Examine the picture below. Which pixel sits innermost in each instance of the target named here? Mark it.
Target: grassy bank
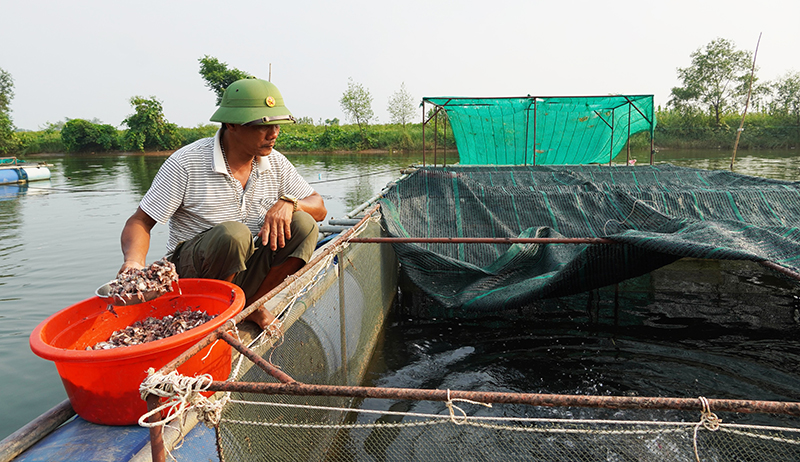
(293, 138)
(673, 131)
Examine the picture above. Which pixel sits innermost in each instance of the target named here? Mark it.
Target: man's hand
(130, 265)
(277, 225)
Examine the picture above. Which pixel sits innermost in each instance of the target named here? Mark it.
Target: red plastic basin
(103, 385)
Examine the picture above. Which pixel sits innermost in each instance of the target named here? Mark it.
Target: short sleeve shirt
(194, 192)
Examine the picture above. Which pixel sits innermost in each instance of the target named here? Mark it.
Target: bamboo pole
(746, 102)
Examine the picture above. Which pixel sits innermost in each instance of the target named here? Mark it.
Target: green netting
(660, 213)
(545, 130)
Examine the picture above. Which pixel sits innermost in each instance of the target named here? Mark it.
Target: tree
(356, 103)
(716, 80)
(148, 128)
(6, 90)
(218, 76)
(401, 106)
(787, 95)
(80, 135)
(7, 142)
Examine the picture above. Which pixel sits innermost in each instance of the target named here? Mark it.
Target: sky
(86, 59)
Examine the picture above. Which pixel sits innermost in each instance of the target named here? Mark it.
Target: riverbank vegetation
(674, 130)
(704, 111)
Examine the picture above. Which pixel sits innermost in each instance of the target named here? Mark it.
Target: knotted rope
(708, 420)
(182, 393)
(451, 407)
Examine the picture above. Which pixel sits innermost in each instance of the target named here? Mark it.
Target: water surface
(59, 241)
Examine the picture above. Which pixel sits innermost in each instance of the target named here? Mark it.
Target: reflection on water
(59, 241)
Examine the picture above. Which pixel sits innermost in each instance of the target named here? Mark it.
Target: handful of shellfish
(134, 286)
(152, 329)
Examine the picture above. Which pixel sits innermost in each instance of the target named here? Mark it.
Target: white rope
(451, 407)
(708, 420)
(730, 427)
(182, 393)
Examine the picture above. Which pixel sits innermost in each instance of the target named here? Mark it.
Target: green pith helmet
(252, 102)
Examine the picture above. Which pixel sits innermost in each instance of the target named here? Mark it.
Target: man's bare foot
(262, 317)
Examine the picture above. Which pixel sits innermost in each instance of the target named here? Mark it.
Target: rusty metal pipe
(257, 360)
(156, 432)
(533, 399)
(783, 270)
(482, 240)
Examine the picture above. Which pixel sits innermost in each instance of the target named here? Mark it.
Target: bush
(190, 135)
(80, 135)
(38, 142)
(148, 128)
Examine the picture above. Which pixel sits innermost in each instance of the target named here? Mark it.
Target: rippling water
(59, 240)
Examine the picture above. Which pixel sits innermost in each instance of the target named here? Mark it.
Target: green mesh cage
(535, 130)
(656, 215)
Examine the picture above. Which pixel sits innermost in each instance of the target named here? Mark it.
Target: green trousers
(229, 248)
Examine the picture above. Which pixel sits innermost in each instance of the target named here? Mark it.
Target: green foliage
(51, 127)
(401, 106)
(190, 135)
(787, 96)
(80, 135)
(6, 90)
(356, 103)
(148, 128)
(217, 75)
(38, 142)
(7, 141)
(682, 130)
(716, 80)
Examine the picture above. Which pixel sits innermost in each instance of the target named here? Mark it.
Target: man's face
(259, 139)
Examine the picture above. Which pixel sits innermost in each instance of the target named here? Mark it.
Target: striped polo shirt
(193, 190)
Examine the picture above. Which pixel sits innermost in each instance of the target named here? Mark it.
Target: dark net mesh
(658, 214)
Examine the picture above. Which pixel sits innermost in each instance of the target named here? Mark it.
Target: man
(237, 209)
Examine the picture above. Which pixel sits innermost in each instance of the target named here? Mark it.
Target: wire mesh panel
(330, 329)
(410, 436)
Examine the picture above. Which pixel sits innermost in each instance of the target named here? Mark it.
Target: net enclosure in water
(653, 214)
(535, 130)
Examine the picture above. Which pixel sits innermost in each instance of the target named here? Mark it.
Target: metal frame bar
(482, 240)
(156, 437)
(532, 399)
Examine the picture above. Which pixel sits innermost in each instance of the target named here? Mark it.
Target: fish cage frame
(533, 107)
(289, 386)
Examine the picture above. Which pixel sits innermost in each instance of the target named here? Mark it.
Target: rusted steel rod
(783, 270)
(156, 431)
(483, 240)
(533, 399)
(257, 360)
